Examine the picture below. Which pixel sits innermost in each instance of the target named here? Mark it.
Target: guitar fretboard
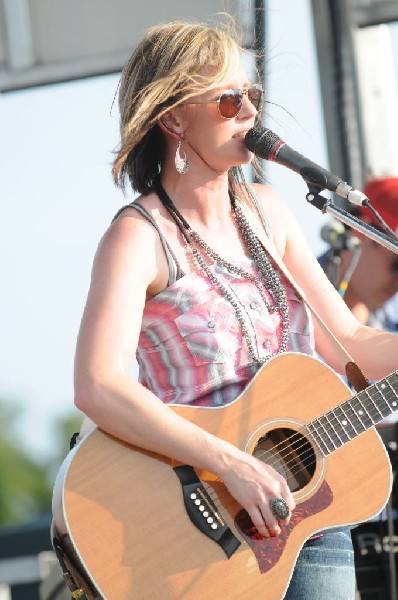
(354, 416)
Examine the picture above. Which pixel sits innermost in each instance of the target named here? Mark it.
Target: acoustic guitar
(141, 526)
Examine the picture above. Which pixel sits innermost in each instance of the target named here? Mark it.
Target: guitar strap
(353, 372)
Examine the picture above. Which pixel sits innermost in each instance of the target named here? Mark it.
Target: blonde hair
(165, 70)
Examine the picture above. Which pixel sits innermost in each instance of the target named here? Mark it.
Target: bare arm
(376, 352)
(128, 263)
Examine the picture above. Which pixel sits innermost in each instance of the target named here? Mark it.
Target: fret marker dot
(344, 423)
(360, 412)
(383, 385)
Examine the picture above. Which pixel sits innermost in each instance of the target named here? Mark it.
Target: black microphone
(266, 144)
(332, 232)
(337, 236)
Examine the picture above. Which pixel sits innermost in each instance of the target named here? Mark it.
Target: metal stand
(333, 261)
(326, 206)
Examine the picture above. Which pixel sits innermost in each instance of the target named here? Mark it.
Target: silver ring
(279, 509)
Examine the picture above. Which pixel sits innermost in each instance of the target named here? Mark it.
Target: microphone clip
(314, 198)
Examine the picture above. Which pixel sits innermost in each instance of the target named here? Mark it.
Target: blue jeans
(325, 569)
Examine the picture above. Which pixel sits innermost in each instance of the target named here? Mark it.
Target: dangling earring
(181, 162)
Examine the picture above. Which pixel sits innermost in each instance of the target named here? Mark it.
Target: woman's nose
(248, 109)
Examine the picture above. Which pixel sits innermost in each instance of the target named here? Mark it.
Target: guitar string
(310, 451)
(332, 428)
(298, 435)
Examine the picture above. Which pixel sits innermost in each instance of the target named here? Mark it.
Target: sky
(57, 198)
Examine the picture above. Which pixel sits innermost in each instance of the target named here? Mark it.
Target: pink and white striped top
(191, 348)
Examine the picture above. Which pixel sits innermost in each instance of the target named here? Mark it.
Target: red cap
(383, 196)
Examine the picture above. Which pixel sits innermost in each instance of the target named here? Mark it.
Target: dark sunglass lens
(255, 96)
(230, 104)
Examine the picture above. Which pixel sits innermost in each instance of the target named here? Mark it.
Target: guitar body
(123, 512)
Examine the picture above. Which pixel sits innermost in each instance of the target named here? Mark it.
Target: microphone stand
(333, 264)
(333, 260)
(326, 206)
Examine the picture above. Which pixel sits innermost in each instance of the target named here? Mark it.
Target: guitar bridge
(203, 512)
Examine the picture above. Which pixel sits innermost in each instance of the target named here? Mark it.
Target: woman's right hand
(254, 485)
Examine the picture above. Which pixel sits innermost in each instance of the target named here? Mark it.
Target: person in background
(367, 275)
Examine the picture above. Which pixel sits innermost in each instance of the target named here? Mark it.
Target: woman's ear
(170, 125)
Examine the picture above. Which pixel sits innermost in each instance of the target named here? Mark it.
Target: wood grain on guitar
(123, 508)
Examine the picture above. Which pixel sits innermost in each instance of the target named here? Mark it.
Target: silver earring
(181, 162)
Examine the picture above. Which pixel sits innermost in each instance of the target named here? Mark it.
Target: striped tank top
(191, 348)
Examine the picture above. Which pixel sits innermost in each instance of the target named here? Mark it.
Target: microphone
(332, 232)
(337, 236)
(264, 143)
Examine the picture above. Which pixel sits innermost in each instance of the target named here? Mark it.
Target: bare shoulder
(130, 229)
(131, 243)
(277, 212)
(269, 198)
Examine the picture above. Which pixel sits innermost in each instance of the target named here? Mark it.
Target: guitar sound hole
(290, 453)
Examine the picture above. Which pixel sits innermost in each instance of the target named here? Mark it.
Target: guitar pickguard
(269, 550)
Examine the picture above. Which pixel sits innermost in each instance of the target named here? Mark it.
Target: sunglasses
(231, 101)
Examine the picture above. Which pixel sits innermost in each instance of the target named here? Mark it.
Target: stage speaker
(372, 547)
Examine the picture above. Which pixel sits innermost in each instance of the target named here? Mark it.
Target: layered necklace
(269, 275)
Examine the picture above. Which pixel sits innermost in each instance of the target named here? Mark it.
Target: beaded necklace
(269, 275)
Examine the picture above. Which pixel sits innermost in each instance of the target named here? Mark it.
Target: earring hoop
(181, 162)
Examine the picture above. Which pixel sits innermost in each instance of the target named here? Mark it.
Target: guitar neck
(354, 416)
